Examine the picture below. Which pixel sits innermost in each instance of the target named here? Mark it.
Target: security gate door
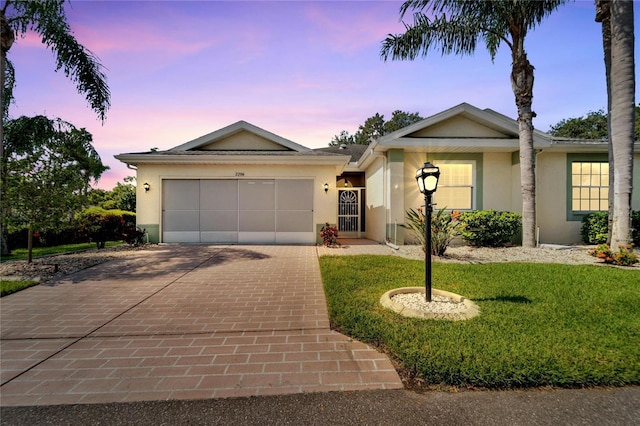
(349, 212)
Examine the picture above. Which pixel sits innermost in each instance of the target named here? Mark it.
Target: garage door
(264, 211)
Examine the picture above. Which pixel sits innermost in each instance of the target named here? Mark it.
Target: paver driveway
(181, 322)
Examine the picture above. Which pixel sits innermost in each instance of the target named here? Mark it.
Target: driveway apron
(181, 322)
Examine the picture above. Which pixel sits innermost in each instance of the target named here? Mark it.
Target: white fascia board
(136, 159)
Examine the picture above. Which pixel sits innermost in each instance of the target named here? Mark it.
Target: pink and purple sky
(304, 70)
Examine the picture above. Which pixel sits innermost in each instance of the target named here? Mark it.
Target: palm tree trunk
(622, 118)
(522, 85)
(603, 15)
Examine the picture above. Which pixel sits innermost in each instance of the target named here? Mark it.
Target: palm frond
(80, 65)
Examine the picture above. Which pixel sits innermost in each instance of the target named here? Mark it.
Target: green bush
(490, 228)
(595, 226)
(99, 225)
(635, 224)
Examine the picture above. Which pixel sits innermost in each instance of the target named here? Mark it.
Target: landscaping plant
(625, 256)
(444, 228)
(490, 228)
(329, 235)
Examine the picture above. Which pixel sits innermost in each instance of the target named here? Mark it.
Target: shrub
(329, 235)
(490, 228)
(635, 224)
(594, 228)
(625, 256)
(99, 225)
(444, 228)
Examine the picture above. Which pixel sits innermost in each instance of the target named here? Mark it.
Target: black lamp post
(427, 177)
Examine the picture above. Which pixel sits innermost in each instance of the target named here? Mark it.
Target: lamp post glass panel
(427, 177)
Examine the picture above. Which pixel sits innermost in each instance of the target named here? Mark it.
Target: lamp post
(427, 177)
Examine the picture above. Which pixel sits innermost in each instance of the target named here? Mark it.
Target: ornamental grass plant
(539, 324)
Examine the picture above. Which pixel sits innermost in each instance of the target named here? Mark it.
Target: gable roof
(208, 141)
(238, 143)
(502, 126)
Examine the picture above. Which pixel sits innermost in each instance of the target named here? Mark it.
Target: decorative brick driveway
(181, 322)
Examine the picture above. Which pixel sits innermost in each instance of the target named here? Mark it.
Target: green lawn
(540, 324)
(21, 254)
(11, 286)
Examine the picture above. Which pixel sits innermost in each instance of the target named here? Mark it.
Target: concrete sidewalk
(181, 322)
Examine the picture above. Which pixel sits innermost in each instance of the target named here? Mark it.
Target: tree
(456, 26)
(401, 119)
(622, 115)
(376, 126)
(47, 18)
(591, 126)
(344, 138)
(371, 128)
(47, 171)
(121, 197)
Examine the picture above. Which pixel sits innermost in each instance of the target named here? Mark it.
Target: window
(589, 186)
(456, 185)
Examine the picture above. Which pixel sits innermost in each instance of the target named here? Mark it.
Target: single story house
(242, 184)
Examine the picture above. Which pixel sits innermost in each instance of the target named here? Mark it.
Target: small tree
(47, 172)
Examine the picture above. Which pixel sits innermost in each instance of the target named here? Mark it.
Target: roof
(238, 143)
(353, 150)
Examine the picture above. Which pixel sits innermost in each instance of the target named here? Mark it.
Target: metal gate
(349, 212)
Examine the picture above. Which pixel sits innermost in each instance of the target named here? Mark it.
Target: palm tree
(622, 117)
(48, 19)
(456, 26)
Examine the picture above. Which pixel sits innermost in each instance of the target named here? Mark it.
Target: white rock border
(472, 310)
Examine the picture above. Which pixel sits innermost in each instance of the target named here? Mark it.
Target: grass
(10, 286)
(540, 324)
(21, 254)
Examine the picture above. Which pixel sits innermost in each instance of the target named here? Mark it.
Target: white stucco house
(242, 184)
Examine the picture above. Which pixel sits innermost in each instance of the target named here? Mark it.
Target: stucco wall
(497, 178)
(551, 177)
(376, 213)
(149, 204)
(551, 200)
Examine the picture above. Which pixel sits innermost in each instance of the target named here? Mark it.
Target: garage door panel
(218, 220)
(181, 194)
(218, 237)
(294, 221)
(257, 195)
(257, 221)
(219, 195)
(294, 194)
(180, 237)
(181, 220)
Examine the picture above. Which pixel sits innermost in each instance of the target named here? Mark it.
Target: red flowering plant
(329, 235)
(445, 226)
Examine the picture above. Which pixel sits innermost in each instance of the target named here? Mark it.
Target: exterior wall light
(146, 186)
(326, 187)
(427, 177)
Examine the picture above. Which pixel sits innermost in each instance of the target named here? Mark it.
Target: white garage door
(238, 211)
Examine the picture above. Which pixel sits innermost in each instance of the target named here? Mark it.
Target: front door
(349, 212)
